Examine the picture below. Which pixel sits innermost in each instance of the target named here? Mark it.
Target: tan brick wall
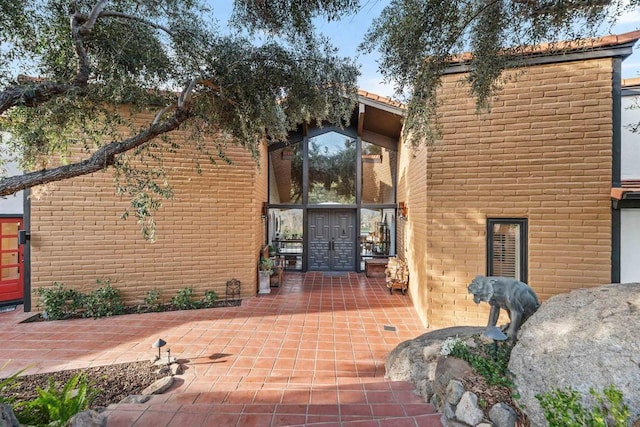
(412, 242)
(210, 232)
(542, 153)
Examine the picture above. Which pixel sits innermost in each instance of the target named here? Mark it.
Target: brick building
(524, 190)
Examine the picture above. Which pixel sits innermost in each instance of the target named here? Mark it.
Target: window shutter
(505, 250)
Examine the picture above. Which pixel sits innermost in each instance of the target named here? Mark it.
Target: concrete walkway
(310, 353)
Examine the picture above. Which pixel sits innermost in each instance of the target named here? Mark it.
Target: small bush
(564, 407)
(59, 302)
(210, 298)
(153, 300)
(55, 407)
(104, 301)
(183, 299)
(485, 360)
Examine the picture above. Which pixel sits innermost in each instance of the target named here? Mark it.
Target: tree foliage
(418, 39)
(75, 74)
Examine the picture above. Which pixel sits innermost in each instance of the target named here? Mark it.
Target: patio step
(274, 415)
(384, 403)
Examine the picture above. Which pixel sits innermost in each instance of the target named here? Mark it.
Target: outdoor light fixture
(159, 344)
(168, 356)
(403, 210)
(496, 335)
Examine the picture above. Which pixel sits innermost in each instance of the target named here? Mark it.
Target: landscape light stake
(159, 344)
(496, 335)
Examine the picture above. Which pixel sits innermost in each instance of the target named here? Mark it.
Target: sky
(348, 33)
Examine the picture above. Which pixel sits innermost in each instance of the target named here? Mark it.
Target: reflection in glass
(378, 172)
(285, 236)
(332, 169)
(377, 232)
(285, 175)
(8, 273)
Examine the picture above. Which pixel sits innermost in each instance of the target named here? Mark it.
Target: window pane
(506, 249)
(377, 232)
(378, 172)
(7, 228)
(285, 173)
(332, 169)
(9, 273)
(285, 235)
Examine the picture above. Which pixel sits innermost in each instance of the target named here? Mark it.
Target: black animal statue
(512, 295)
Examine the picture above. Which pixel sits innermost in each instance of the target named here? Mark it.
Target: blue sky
(347, 34)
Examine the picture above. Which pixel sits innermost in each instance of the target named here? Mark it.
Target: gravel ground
(114, 382)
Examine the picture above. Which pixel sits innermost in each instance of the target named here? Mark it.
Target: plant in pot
(265, 270)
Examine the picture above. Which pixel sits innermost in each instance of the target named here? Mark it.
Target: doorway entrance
(11, 275)
(332, 239)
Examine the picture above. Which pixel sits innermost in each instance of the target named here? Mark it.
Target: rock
(159, 386)
(415, 360)
(163, 361)
(7, 416)
(136, 398)
(454, 392)
(165, 370)
(468, 411)
(447, 370)
(448, 410)
(502, 415)
(87, 419)
(585, 339)
(176, 369)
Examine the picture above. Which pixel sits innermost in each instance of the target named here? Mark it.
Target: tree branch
(114, 14)
(101, 159)
(31, 95)
(93, 16)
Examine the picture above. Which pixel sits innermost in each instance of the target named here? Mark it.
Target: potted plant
(265, 270)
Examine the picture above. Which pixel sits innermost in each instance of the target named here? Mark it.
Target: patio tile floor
(311, 352)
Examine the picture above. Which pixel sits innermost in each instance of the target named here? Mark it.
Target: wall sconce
(403, 210)
(265, 210)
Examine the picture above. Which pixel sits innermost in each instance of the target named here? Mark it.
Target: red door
(11, 281)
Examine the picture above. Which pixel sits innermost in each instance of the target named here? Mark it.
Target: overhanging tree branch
(31, 95)
(101, 159)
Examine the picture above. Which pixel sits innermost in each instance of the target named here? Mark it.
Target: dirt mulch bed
(114, 382)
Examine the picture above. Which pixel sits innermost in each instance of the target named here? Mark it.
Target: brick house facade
(543, 157)
(531, 177)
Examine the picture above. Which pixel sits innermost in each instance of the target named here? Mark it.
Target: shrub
(104, 301)
(182, 300)
(59, 302)
(152, 301)
(266, 264)
(564, 407)
(210, 297)
(488, 361)
(55, 407)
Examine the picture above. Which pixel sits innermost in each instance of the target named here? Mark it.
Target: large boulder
(589, 338)
(416, 360)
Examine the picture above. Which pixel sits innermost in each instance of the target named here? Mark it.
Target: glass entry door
(11, 279)
(332, 240)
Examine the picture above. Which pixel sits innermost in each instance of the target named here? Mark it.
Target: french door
(332, 240)
(11, 267)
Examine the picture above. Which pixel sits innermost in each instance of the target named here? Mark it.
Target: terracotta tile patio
(311, 352)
